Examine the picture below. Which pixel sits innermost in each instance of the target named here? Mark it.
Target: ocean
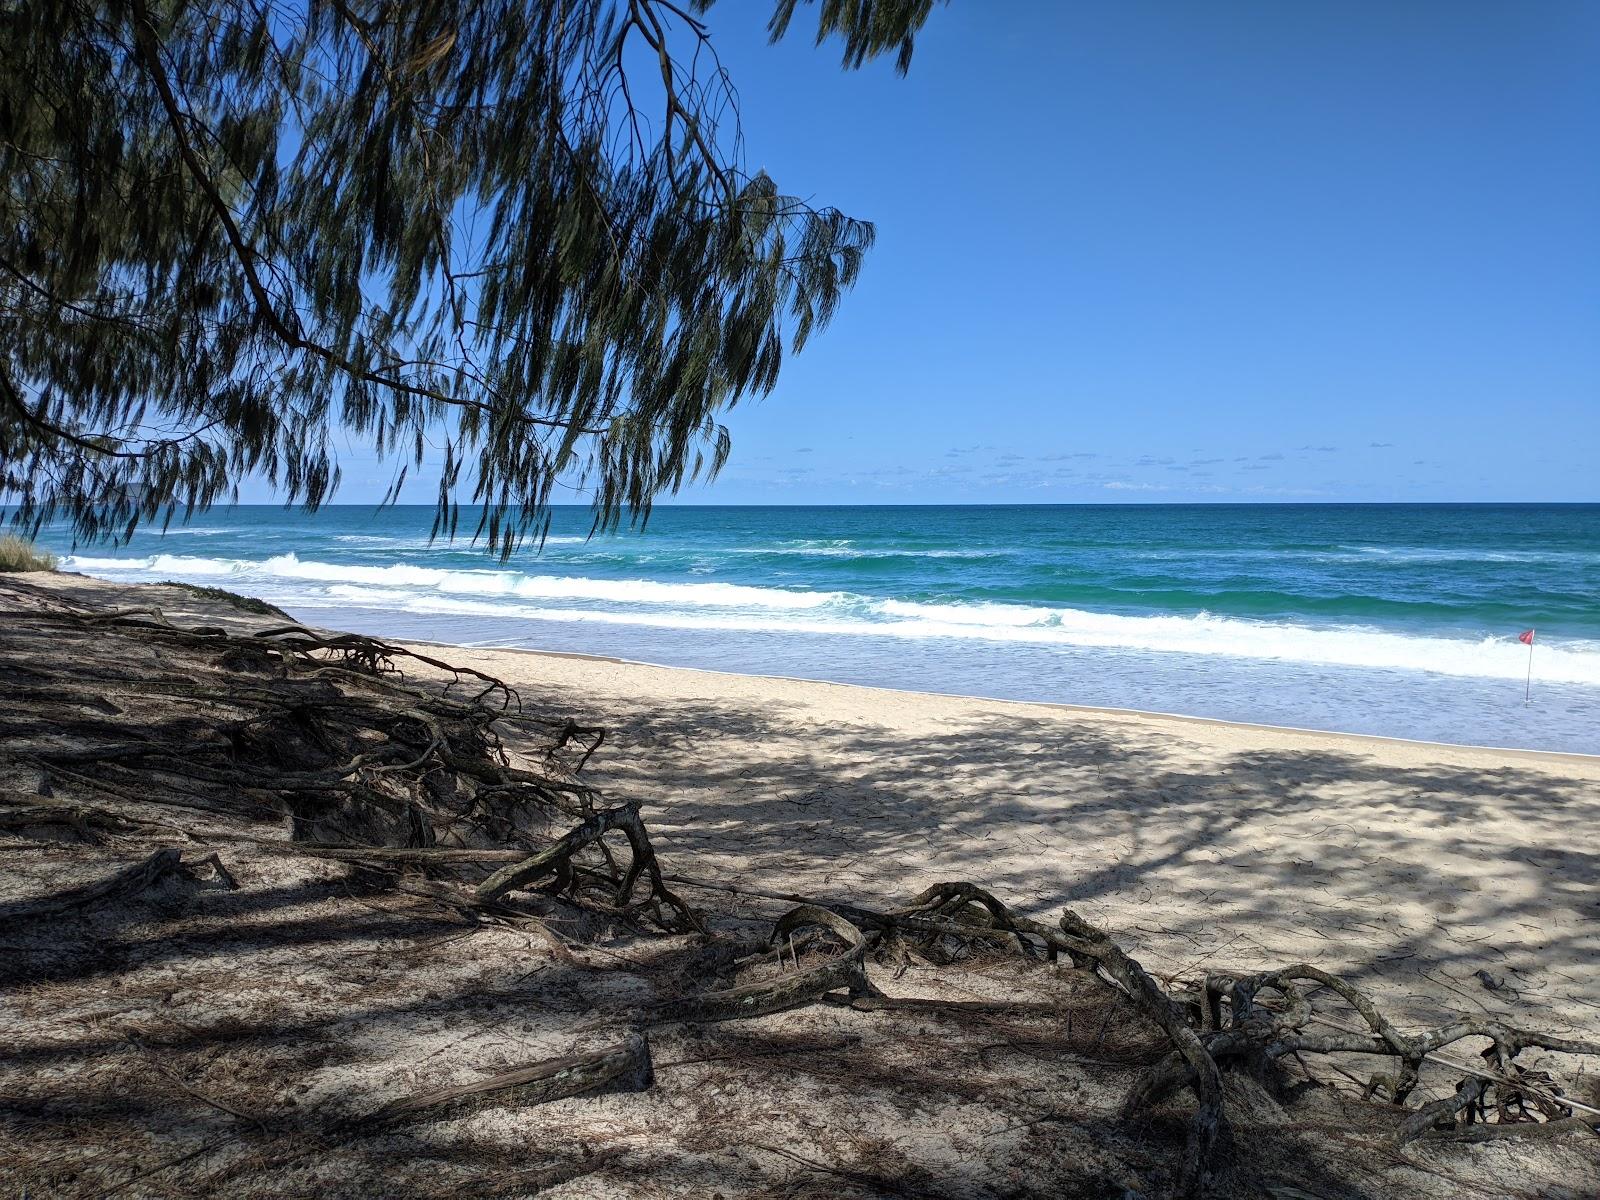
(1397, 620)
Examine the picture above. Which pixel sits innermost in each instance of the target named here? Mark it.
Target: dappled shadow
(196, 1040)
(1411, 868)
(821, 1102)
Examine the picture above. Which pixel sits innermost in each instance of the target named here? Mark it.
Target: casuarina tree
(242, 235)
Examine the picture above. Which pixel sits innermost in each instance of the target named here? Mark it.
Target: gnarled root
(557, 859)
(323, 730)
(1231, 1027)
(847, 972)
(129, 881)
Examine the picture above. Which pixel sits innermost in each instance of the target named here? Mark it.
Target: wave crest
(504, 595)
(482, 582)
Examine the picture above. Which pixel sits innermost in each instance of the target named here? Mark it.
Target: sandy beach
(1413, 867)
(221, 1029)
(1410, 866)
(847, 602)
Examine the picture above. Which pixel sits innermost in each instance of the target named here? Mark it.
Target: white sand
(1200, 844)
(138, 1033)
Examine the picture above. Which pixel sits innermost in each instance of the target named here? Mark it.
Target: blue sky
(1191, 250)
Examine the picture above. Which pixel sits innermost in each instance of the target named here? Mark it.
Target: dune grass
(18, 554)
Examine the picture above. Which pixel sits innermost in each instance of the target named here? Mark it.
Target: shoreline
(297, 985)
(1574, 757)
(1414, 640)
(1578, 757)
(1411, 867)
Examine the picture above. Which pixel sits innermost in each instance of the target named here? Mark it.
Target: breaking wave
(509, 596)
(287, 567)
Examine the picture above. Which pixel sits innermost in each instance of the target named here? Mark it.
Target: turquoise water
(1388, 619)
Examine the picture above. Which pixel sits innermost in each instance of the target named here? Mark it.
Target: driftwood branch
(625, 1066)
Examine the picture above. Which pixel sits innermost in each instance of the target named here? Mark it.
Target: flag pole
(1527, 688)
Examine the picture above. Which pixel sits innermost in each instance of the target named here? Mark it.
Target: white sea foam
(153, 564)
(470, 582)
(1469, 554)
(1344, 646)
(994, 616)
(505, 595)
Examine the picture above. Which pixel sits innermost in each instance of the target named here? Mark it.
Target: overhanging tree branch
(294, 223)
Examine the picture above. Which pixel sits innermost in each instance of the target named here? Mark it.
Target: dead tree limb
(624, 1066)
(129, 881)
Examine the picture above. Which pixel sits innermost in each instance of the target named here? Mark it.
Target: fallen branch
(625, 1066)
(129, 881)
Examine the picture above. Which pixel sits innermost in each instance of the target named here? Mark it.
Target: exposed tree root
(557, 859)
(787, 991)
(1233, 1028)
(325, 737)
(322, 732)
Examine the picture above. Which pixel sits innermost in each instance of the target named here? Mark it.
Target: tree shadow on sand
(1411, 878)
(191, 1039)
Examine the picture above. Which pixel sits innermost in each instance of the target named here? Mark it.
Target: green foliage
(869, 27)
(247, 604)
(239, 235)
(17, 554)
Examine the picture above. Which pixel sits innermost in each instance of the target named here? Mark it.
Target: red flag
(1526, 637)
